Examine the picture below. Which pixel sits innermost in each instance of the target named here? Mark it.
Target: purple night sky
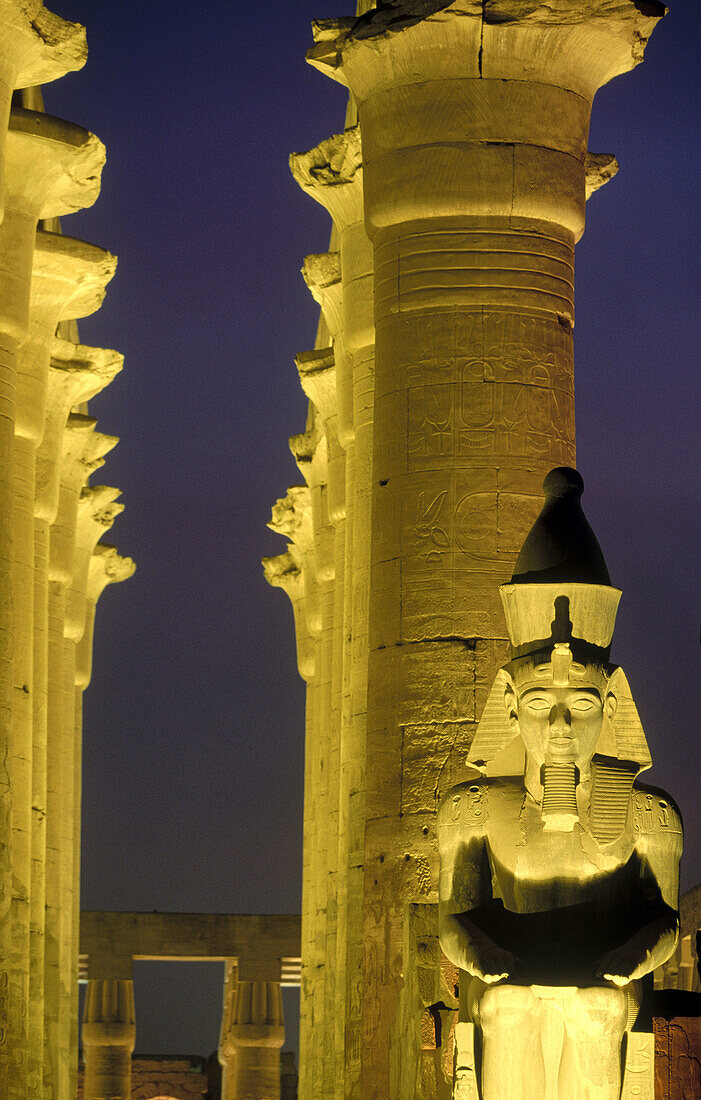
(194, 720)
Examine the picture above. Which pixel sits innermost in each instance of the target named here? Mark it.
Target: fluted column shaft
(45, 175)
(331, 173)
(252, 1034)
(108, 1035)
(474, 142)
(77, 373)
(83, 451)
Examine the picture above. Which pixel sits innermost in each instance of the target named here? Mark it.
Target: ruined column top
(574, 44)
(70, 273)
(42, 45)
(53, 167)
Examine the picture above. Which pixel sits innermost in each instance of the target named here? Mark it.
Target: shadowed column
(252, 1034)
(108, 1036)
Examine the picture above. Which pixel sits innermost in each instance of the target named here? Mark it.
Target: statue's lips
(561, 743)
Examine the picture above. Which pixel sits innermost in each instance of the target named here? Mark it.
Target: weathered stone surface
(677, 1057)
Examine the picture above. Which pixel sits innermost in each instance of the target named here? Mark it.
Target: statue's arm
(462, 849)
(660, 852)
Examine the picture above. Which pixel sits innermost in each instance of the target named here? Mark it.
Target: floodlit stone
(583, 899)
(252, 1033)
(37, 46)
(457, 193)
(109, 1035)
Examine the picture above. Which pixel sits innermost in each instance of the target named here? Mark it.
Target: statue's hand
(618, 966)
(493, 964)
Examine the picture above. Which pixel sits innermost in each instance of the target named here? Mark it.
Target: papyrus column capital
(480, 109)
(53, 166)
(292, 517)
(36, 46)
(317, 375)
(310, 451)
(321, 272)
(576, 44)
(283, 571)
(69, 278)
(107, 566)
(332, 174)
(77, 373)
(97, 511)
(83, 452)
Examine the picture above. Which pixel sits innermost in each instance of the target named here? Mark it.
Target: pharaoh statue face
(558, 707)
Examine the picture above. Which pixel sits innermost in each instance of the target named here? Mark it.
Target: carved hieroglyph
(559, 874)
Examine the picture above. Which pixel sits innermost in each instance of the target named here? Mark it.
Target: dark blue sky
(194, 720)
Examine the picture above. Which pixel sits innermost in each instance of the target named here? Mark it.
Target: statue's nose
(560, 719)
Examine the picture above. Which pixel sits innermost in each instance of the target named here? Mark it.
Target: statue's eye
(539, 704)
(583, 705)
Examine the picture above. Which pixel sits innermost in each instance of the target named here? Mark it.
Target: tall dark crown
(560, 590)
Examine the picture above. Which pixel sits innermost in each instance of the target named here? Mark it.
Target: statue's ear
(498, 724)
(622, 733)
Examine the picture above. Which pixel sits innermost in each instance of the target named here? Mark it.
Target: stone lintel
(331, 173)
(69, 276)
(52, 167)
(259, 942)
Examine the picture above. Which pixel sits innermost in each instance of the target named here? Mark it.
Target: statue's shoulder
(655, 813)
(465, 805)
(468, 804)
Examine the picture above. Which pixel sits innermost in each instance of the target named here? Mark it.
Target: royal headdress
(561, 592)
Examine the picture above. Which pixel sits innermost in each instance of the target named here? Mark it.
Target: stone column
(474, 126)
(38, 47)
(83, 452)
(252, 1034)
(68, 280)
(108, 1036)
(331, 173)
(318, 375)
(51, 168)
(292, 518)
(106, 567)
(77, 373)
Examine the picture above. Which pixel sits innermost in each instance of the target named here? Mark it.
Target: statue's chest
(534, 868)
